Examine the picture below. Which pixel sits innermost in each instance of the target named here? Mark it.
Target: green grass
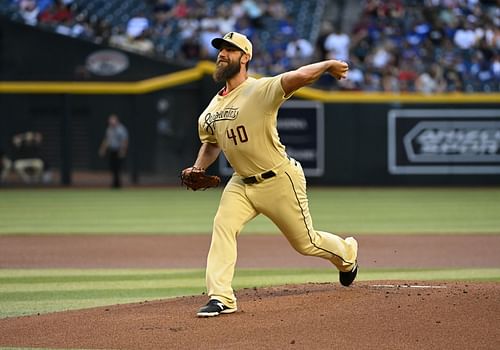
(177, 211)
(26, 292)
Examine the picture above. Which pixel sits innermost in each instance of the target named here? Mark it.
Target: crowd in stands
(427, 46)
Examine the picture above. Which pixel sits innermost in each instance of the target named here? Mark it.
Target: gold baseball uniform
(266, 181)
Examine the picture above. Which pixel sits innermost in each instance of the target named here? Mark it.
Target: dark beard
(224, 73)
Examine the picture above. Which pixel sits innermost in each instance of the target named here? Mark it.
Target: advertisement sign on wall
(444, 141)
(301, 129)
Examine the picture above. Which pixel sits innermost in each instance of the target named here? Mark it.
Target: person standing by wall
(115, 146)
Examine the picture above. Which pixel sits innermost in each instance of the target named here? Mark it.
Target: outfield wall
(360, 144)
(412, 144)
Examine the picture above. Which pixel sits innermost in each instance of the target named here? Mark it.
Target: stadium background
(79, 73)
(63, 70)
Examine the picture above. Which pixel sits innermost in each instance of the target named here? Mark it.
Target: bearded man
(241, 121)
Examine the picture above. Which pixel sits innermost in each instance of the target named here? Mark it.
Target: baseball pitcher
(241, 122)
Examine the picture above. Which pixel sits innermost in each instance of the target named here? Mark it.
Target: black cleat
(346, 278)
(214, 308)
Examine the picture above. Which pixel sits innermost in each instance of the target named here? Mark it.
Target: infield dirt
(368, 315)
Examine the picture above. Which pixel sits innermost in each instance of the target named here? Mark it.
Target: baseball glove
(195, 178)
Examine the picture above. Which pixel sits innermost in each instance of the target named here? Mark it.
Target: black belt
(253, 179)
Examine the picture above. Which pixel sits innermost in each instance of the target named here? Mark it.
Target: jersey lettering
(241, 134)
(231, 136)
(229, 113)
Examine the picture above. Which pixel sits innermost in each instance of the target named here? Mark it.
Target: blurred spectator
(58, 12)
(43, 4)
(191, 49)
(453, 82)
(372, 82)
(102, 30)
(188, 27)
(180, 9)
(136, 36)
(432, 81)
(299, 51)
(140, 44)
(495, 67)
(115, 146)
(465, 38)
(162, 10)
(207, 34)
(244, 26)
(209, 21)
(29, 11)
(337, 45)
(320, 50)
(225, 20)
(82, 28)
(27, 156)
(254, 10)
(390, 81)
(281, 62)
(237, 9)
(356, 78)
(381, 57)
(276, 9)
(407, 74)
(286, 26)
(137, 25)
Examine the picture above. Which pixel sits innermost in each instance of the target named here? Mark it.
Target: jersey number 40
(240, 134)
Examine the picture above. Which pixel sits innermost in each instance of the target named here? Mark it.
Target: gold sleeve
(271, 91)
(205, 132)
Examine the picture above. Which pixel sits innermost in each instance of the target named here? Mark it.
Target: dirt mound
(368, 315)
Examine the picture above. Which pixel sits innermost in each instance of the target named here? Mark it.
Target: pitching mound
(368, 315)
